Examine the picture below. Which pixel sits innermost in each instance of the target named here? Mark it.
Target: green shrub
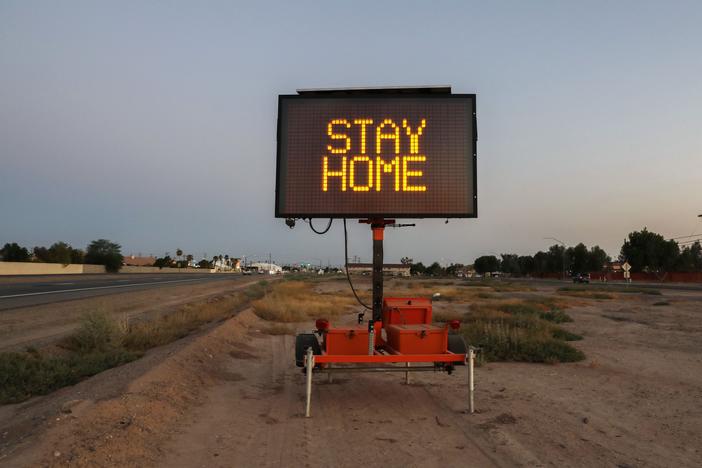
(98, 331)
(23, 375)
(544, 308)
(561, 334)
(100, 342)
(518, 332)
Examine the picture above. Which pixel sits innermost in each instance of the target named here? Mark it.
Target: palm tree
(226, 259)
(189, 258)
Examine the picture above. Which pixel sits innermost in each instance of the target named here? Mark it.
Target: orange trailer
(400, 331)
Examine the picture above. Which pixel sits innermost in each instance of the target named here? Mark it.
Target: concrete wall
(27, 268)
(148, 269)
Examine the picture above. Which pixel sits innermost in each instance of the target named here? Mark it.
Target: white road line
(97, 287)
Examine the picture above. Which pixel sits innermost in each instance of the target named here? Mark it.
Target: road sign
(374, 155)
(626, 267)
(627, 275)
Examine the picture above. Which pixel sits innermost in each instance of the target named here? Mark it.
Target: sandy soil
(232, 397)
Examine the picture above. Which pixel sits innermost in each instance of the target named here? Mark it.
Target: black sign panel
(361, 156)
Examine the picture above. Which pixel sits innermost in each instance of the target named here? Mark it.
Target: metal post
(309, 362)
(471, 380)
(407, 375)
(378, 229)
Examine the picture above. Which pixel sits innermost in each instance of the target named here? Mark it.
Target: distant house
(133, 260)
(230, 264)
(392, 269)
(265, 267)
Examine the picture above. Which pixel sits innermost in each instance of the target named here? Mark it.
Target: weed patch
(585, 294)
(526, 339)
(23, 375)
(544, 308)
(516, 332)
(296, 301)
(102, 342)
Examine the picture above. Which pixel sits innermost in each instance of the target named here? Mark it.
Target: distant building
(227, 264)
(133, 260)
(270, 268)
(392, 269)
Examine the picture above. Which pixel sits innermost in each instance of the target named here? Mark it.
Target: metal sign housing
(374, 154)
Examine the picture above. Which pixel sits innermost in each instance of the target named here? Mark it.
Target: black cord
(346, 264)
(321, 232)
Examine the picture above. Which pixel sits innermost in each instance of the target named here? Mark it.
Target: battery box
(417, 338)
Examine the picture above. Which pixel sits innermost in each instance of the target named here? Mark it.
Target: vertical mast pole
(378, 227)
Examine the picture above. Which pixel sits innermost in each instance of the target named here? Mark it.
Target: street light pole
(562, 253)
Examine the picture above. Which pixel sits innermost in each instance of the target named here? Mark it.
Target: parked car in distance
(581, 278)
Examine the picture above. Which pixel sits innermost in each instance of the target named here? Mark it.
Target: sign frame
(378, 94)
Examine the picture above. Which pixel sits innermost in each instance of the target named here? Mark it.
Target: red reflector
(455, 324)
(321, 324)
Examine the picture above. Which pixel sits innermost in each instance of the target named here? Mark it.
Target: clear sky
(153, 123)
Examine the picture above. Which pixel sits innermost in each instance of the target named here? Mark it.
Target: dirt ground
(231, 396)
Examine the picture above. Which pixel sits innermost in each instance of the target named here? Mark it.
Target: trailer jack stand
(309, 364)
(406, 369)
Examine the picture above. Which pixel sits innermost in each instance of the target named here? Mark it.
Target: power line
(683, 237)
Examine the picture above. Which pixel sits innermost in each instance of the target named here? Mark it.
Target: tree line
(644, 250)
(99, 252)
(183, 261)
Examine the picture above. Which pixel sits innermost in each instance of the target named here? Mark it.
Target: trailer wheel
(302, 342)
(457, 345)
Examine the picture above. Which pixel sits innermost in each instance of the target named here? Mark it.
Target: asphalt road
(16, 292)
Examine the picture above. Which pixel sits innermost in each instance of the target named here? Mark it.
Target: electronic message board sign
(376, 155)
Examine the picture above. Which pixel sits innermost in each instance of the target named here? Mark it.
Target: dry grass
(278, 329)
(586, 294)
(444, 316)
(447, 291)
(102, 342)
(296, 301)
(182, 322)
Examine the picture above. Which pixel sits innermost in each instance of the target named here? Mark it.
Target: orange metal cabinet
(406, 310)
(350, 340)
(417, 338)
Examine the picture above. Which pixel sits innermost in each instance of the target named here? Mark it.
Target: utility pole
(562, 254)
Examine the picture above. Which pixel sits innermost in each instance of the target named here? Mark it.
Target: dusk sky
(153, 124)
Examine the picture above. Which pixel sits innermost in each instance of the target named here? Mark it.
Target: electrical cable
(346, 266)
(321, 232)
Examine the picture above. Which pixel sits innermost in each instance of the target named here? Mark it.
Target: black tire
(302, 342)
(457, 345)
